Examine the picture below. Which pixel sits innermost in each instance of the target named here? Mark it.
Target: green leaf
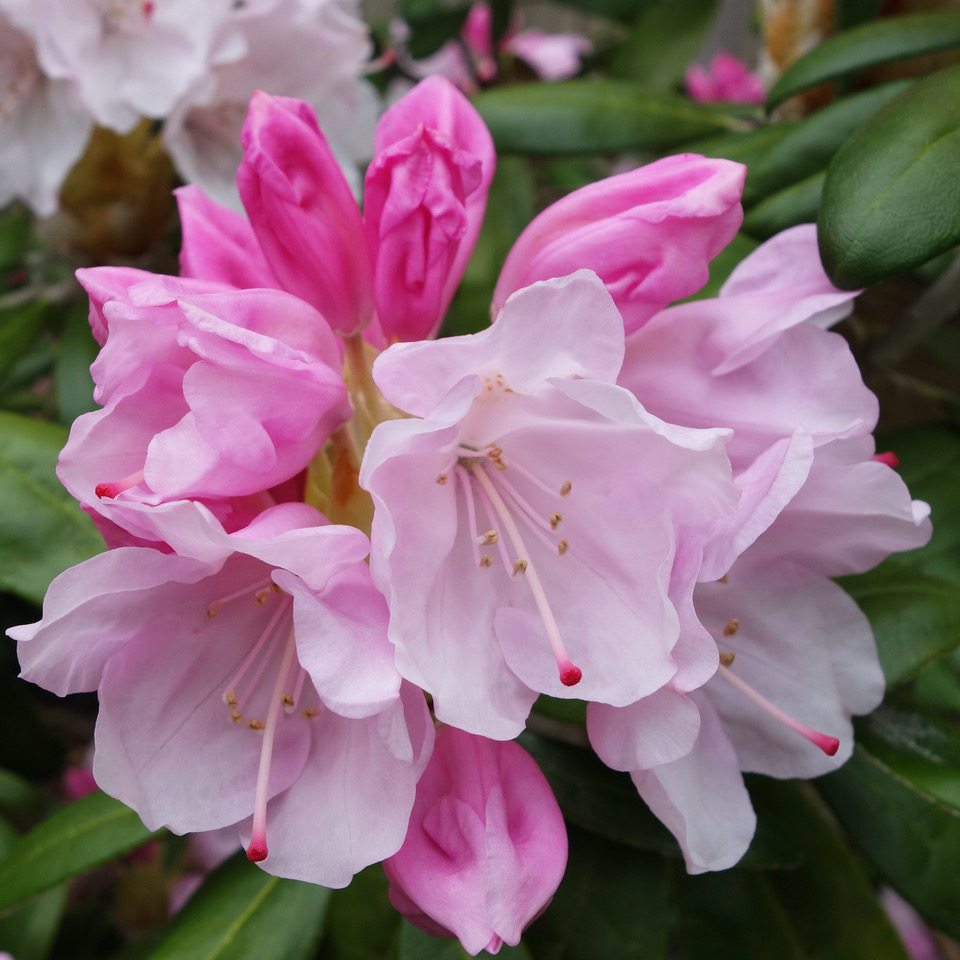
(44, 531)
(417, 945)
(825, 909)
(16, 793)
(28, 932)
(915, 616)
(78, 349)
(939, 684)
(879, 41)
(15, 236)
(809, 145)
(20, 326)
(625, 11)
(795, 204)
(89, 832)
(891, 200)
(897, 798)
(242, 913)
(749, 147)
(612, 902)
(361, 923)
(664, 39)
(593, 116)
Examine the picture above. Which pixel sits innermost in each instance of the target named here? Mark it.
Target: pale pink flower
(648, 234)
(394, 269)
(43, 129)
(486, 847)
(315, 50)
(245, 680)
(726, 80)
(552, 56)
(127, 59)
(534, 508)
(797, 655)
(914, 933)
(206, 392)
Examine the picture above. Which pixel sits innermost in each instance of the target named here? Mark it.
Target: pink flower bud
(426, 192)
(486, 847)
(728, 80)
(303, 213)
(648, 234)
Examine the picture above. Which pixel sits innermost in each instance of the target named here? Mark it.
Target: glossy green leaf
(825, 909)
(242, 913)
(915, 616)
(809, 145)
(939, 684)
(593, 116)
(879, 41)
(77, 351)
(664, 39)
(361, 923)
(612, 902)
(897, 798)
(748, 147)
(19, 327)
(89, 832)
(606, 803)
(786, 208)
(44, 531)
(891, 200)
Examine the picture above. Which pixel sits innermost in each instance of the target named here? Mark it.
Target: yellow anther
(491, 536)
(287, 699)
(310, 712)
(562, 547)
(486, 560)
(256, 724)
(231, 699)
(236, 716)
(519, 566)
(442, 478)
(727, 658)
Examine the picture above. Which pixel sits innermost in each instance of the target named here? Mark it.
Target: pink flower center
(275, 647)
(483, 474)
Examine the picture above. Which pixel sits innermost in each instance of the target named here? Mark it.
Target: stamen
(258, 836)
(471, 513)
(527, 508)
(442, 479)
(556, 519)
(519, 566)
(562, 547)
(565, 488)
(491, 536)
(491, 514)
(219, 604)
(297, 690)
(231, 694)
(110, 490)
(829, 745)
(537, 482)
(733, 625)
(727, 657)
(569, 673)
(486, 560)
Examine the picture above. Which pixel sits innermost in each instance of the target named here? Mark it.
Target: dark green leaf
(593, 116)
(625, 11)
(20, 326)
(16, 793)
(417, 945)
(939, 684)
(849, 13)
(825, 909)
(809, 145)
(78, 350)
(892, 798)
(89, 832)
(44, 531)
(242, 913)
(795, 204)
(14, 237)
(612, 902)
(891, 200)
(361, 923)
(664, 39)
(28, 932)
(880, 41)
(915, 616)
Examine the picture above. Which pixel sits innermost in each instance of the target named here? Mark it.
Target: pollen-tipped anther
(555, 520)
(732, 626)
(519, 566)
(565, 488)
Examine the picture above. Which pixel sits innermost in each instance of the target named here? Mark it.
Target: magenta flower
(486, 848)
(648, 234)
(245, 680)
(727, 80)
(527, 520)
(208, 393)
(397, 267)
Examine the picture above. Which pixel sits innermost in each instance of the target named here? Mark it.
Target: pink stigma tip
(257, 851)
(570, 675)
(829, 745)
(889, 458)
(108, 490)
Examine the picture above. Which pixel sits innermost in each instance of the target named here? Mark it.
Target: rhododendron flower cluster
(66, 65)
(600, 497)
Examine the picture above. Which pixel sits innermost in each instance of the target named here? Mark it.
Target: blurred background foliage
(860, 132)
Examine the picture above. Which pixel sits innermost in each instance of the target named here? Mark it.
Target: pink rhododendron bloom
(207, 392)
(486, 848)
(246, 679)
(42, 131)
(797, 657)
(648, 234)
(727, 80)
(127, 59)
(526, 521)
(552, 56)
(398, 266)
(315, 50)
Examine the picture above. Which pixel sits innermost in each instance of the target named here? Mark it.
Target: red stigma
(829, 745)
(107, 490)
(571, 676)
(889, 458)
(148, 9)
(256, 852)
